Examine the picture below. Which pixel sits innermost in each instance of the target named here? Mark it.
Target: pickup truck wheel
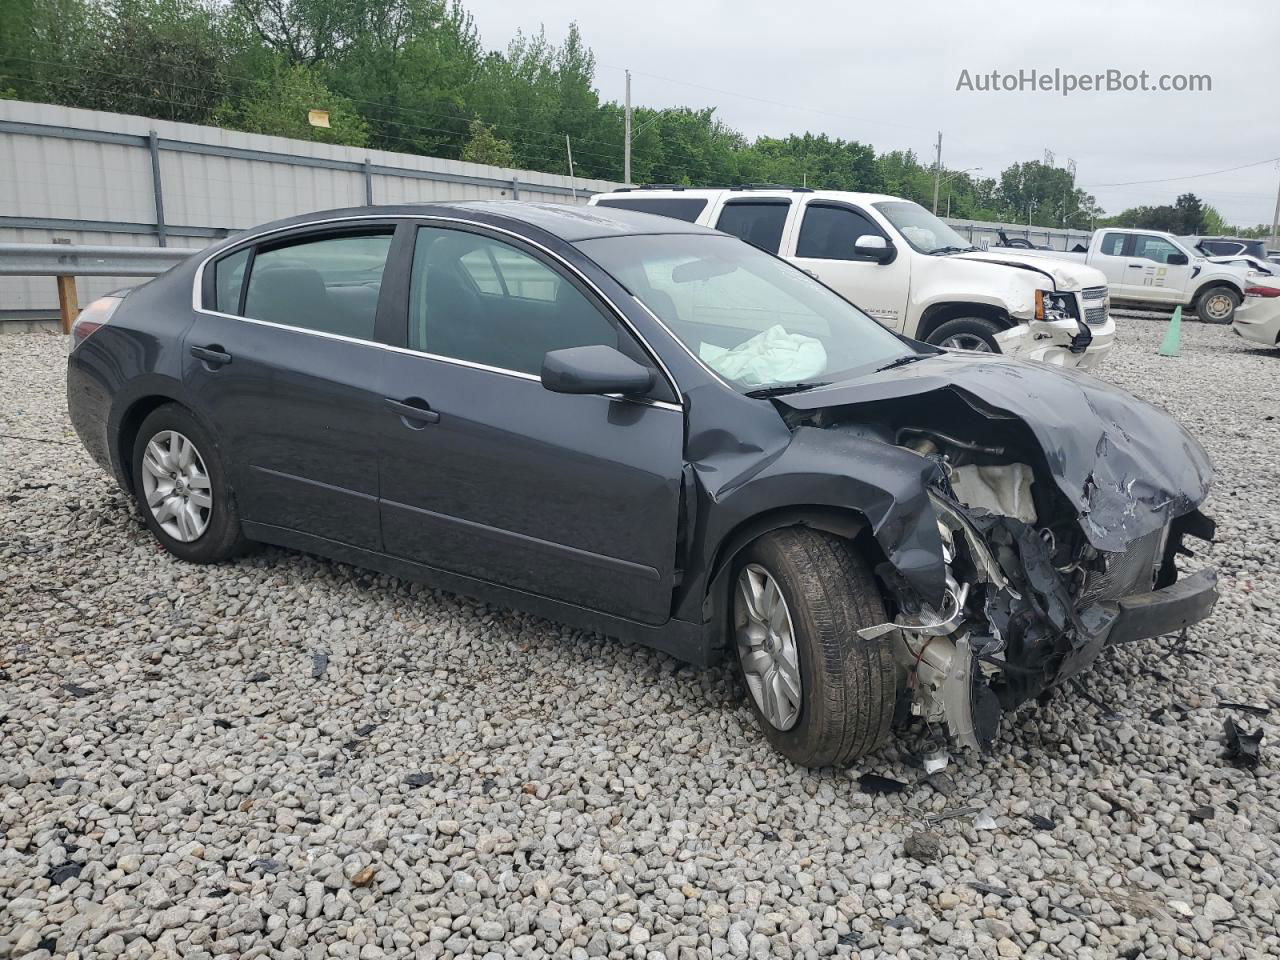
(821, 694)
(967, 333)
(1217, 305)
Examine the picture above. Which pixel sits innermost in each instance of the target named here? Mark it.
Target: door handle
(213, 354)
(1135, 266)
(411, 411)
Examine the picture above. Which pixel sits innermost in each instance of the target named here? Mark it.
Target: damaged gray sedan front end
(1056, 508)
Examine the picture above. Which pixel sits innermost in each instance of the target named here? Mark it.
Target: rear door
(487, 474)
(282, 361)
(824, 246)
(760, 221)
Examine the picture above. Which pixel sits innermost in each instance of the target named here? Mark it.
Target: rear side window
(679, 208)
(329, 284)
(1113, 244)
(228, 281)
(759, 222)
(829, 232)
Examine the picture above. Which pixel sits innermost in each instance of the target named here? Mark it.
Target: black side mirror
(875, 248)
(1177, 260)
(595, 369)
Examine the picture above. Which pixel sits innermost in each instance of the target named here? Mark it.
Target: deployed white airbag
(1003, 489)
(774, 356)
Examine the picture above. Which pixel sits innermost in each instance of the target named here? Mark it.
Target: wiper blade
(954, 249)
(781, 391)
(901, 361)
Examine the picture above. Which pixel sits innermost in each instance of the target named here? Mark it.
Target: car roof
(848, 196)
(569, 222)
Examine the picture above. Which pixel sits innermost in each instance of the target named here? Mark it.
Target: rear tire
(181, 488)
(967, 333)
(847, 685)
(1217, 305)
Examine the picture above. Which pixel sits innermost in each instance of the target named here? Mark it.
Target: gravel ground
(289, 757)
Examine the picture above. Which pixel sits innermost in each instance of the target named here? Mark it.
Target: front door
(1148, 273)
(824, 245)
(283, 363)
(486, 473)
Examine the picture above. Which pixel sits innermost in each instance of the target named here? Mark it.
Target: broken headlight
(1055, 306)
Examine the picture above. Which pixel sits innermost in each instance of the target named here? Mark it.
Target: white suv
(907, 268)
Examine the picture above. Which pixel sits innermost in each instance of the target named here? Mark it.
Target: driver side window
(830, 232)
(1153, 248)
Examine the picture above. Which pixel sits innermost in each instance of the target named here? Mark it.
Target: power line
(1190, 176)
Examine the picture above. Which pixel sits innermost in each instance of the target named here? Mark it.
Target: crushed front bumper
(1053, 342)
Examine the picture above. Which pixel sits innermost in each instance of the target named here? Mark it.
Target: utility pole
(937, 174)
(626, 150)
(1275, 221)
(573, 187)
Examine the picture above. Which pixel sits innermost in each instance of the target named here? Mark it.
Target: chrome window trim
(197, 299)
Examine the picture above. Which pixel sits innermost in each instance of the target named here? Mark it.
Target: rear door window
(759, 222)
(328, 284)
(829, 232)
(229, 280)
(687, 209)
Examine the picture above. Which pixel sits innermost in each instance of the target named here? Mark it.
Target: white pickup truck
(1149, 268)
(908, 269)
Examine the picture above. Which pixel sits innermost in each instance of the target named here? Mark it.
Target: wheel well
(1216, 285)
(130, 423)
(939, 313)
(840, 521)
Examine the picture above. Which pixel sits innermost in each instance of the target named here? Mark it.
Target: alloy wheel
(176, 485)
(966, 341)
(767, 647)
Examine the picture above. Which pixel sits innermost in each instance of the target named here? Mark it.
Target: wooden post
(67, 303)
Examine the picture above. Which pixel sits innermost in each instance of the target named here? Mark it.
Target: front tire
(821, 694)
(967, 333)
(1217, 305)
(181, 488)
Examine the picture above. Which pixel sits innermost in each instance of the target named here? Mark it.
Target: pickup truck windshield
(925, 232)
(756, 321)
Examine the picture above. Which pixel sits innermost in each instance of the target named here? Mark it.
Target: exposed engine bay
(1046, 553)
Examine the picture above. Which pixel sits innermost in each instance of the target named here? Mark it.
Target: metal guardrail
(66, 261)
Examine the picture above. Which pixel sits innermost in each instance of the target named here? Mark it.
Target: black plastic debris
(1102, 707)
(222, 724)
(319, 664)
(850, 939)
(873, 784)
(314, 821)
(366, 729)
(64, 872)
(488, 785)
(952, 814)
(416, 780)
(770, 836)
(1039, 822)
(922, 845)
(1243, 748)
(941, 782)
(78, 691)
(899, 923)
(989, 889)
(1257, 711)
(269, 865)
(1202, 813)
(260, 677)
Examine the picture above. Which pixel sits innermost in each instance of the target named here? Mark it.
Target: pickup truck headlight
(1055, 306)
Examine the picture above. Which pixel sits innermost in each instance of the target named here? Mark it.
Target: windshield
(925, 232)
(755, 320)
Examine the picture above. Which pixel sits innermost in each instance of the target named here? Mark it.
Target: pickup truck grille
(1094, 293)
(1095, 315)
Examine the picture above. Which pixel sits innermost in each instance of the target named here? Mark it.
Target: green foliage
(1187, 215)
(487, 147)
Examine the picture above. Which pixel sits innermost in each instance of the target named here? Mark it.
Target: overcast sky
(886, 74)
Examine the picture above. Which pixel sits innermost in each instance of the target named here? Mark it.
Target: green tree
(282, 107)
(485, 146)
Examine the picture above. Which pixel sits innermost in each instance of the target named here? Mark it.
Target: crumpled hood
(1066, 274)
(1127, 466)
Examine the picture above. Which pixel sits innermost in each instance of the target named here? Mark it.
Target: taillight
(91, 318)
(1261, 292)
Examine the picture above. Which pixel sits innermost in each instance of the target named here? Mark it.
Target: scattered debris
(899, 923)
(269, 865)
(366, 729)
(1070, 911)
(941, 782)
(319, 664)
(1041, 823)
(1243, 748)
(922, 845)
(1103, 708)
(78, 691)
(770, 836)
(422, 779)
(936, 761)
(952, 814)
(64, 872)
(984, 821)
(873, 784)
(989, 889)
(1202, 813)
(850, 939)
(260, 677)
(1246, 707)
(222, 724)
